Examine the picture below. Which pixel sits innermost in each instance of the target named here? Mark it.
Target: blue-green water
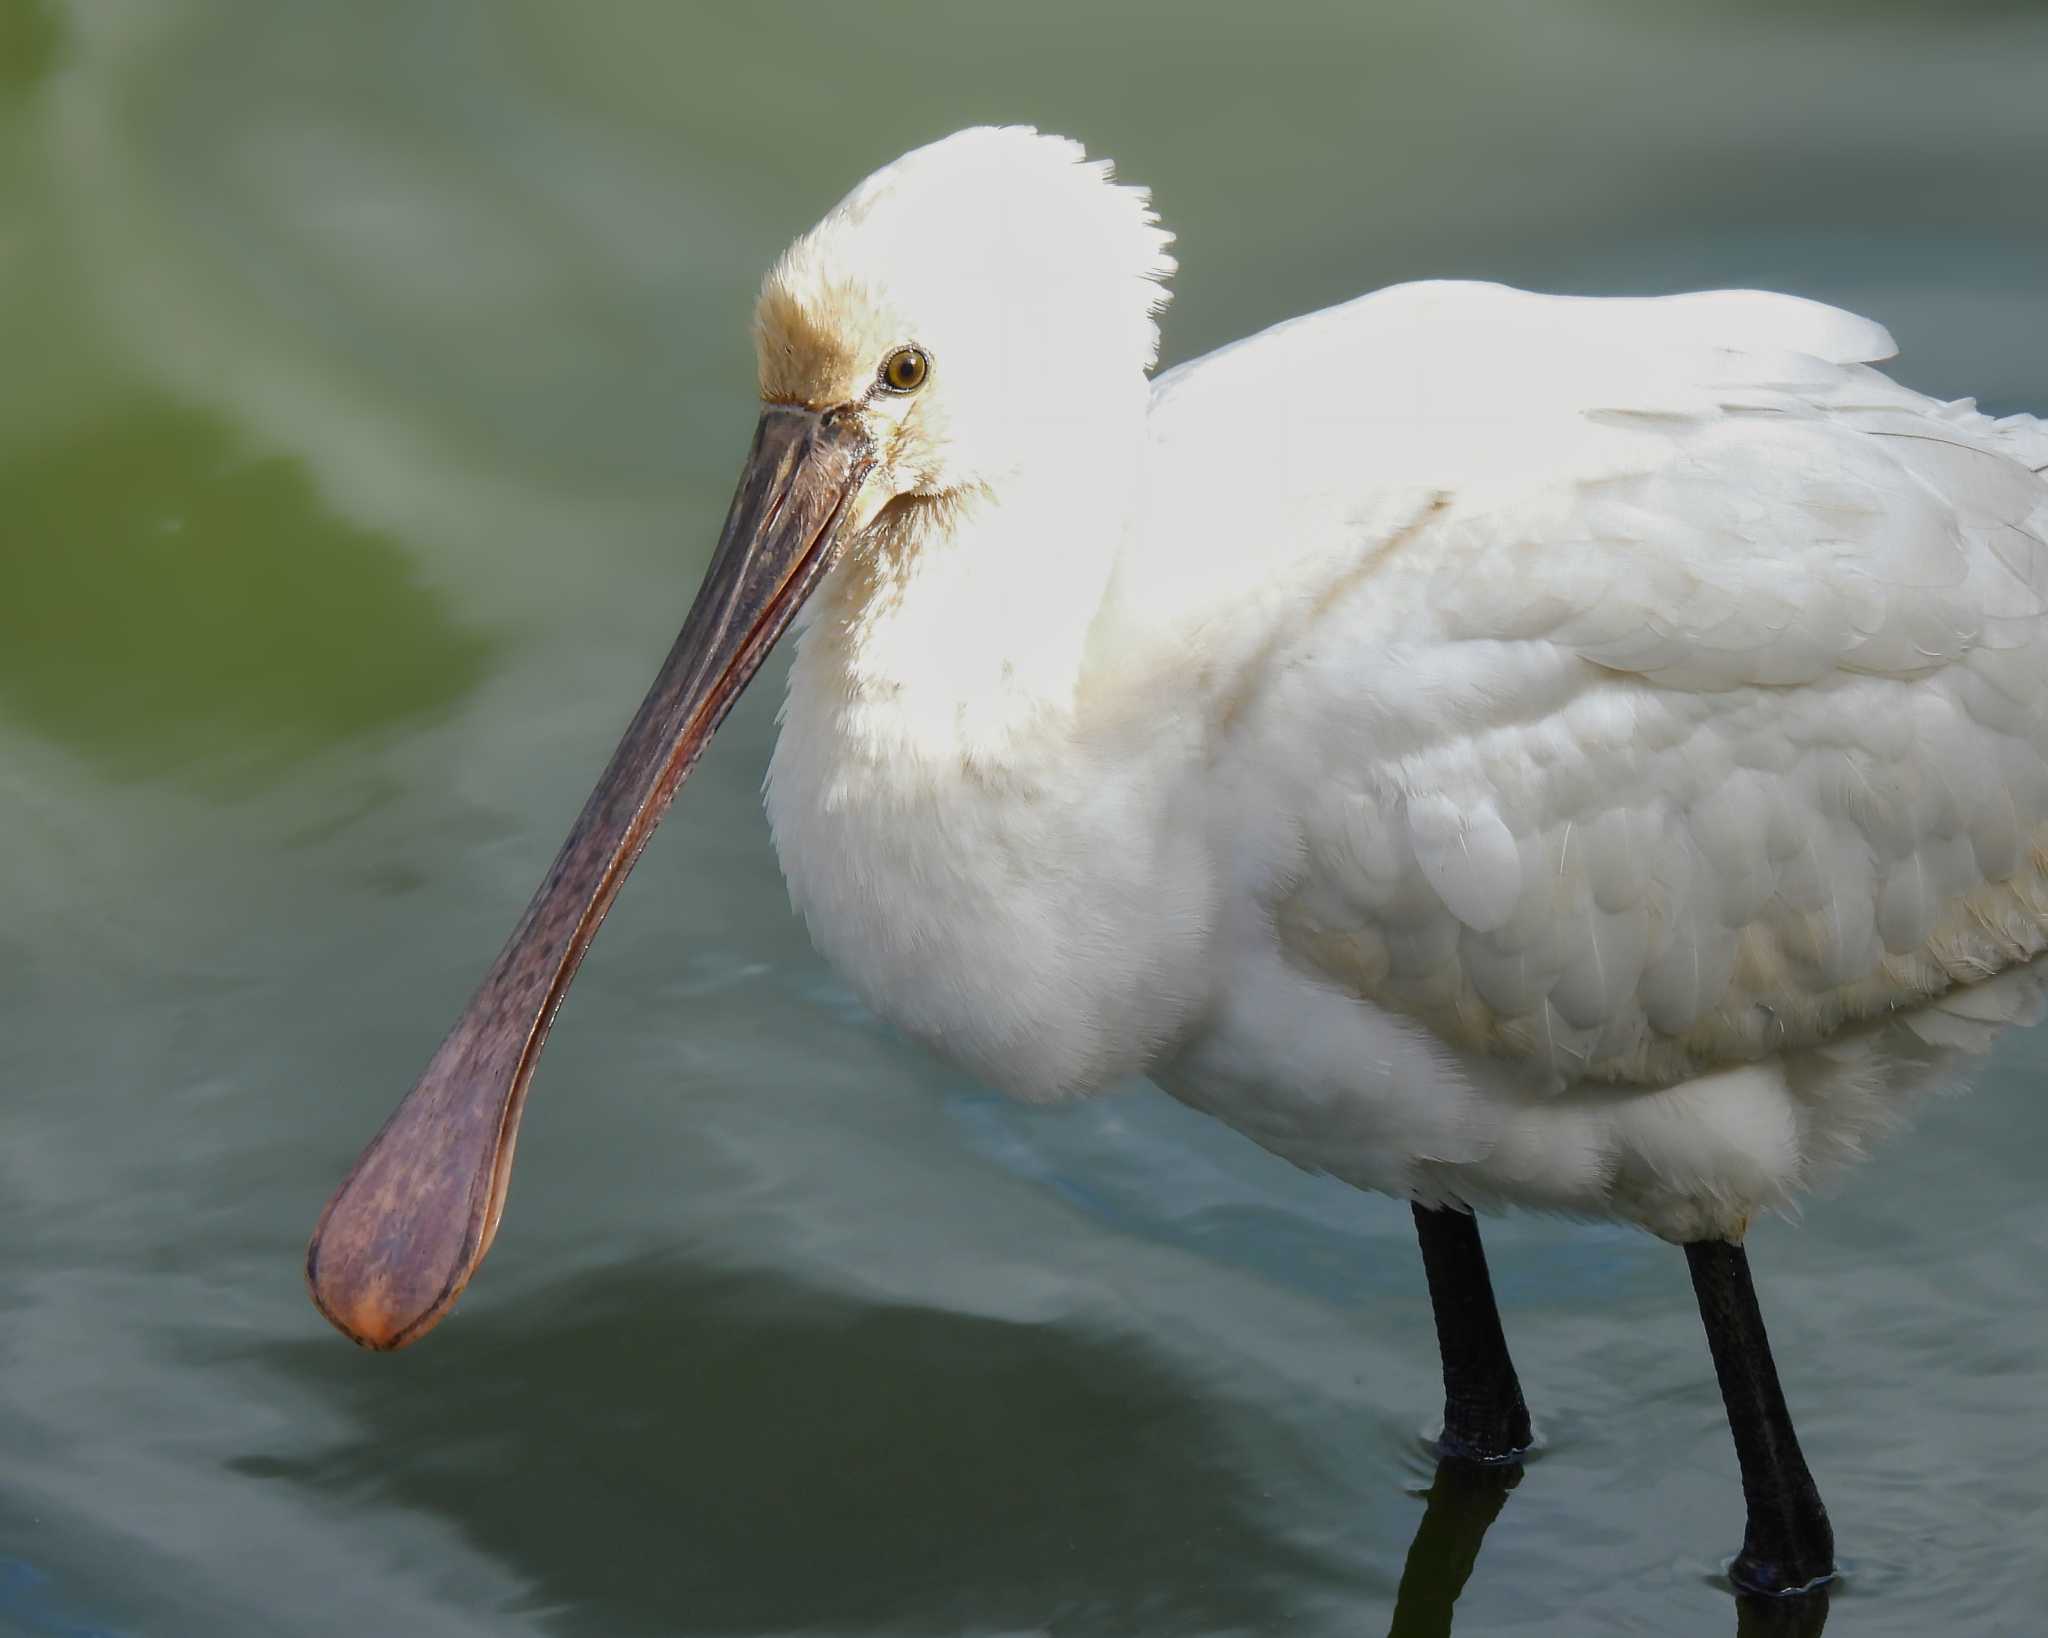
(371, 379)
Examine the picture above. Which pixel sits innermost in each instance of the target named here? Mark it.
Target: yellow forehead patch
(819, 347)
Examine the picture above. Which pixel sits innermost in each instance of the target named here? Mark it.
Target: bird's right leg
(1485, 1420)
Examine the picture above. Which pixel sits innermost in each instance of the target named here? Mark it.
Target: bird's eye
(904, 370)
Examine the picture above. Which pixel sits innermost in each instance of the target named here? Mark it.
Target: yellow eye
(904, 370)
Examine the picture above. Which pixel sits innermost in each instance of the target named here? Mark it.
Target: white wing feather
(1661, 686)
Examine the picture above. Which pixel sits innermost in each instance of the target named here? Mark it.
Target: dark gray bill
(413, 1219)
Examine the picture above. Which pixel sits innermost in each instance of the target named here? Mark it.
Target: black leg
(1788, 1546)
(1484, 1417)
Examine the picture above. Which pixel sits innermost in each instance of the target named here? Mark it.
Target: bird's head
(981, 303)
(967, 307)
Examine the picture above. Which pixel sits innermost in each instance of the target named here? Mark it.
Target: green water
(371, 379)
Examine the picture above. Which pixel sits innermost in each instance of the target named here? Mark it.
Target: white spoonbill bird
(1493, 748)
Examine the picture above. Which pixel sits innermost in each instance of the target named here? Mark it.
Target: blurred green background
(372, 373)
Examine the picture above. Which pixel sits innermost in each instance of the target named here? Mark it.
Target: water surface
(375, 373)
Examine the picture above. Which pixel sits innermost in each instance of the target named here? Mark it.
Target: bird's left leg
(1788, 1545)
(1485, 1419)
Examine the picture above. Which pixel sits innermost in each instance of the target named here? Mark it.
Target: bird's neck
(956, 635)
(962, 797)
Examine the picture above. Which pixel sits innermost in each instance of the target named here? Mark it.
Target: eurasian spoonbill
(1493, 748)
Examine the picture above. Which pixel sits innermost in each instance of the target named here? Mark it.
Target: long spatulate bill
(414, 1217)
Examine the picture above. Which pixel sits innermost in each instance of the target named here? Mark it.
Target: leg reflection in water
(1802, 1615)
(1463, 1501)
